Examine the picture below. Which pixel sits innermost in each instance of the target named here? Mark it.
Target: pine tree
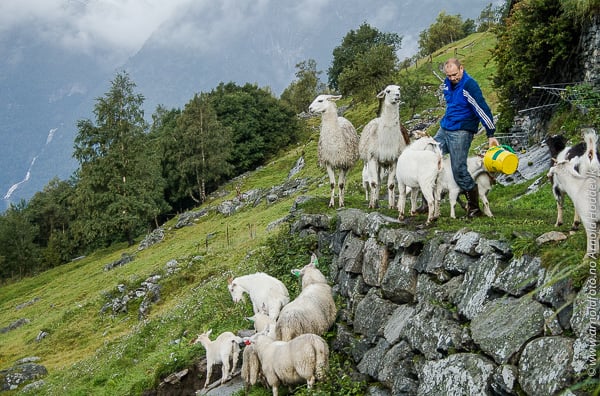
(120, 188)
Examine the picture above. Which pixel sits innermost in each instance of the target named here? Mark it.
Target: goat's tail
(591, 150)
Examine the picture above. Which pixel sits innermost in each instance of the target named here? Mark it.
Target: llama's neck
(390, 115)
(329, 117)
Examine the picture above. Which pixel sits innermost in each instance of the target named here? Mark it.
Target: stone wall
(433, 313)
(590, 54)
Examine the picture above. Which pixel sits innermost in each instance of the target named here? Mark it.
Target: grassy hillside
(87, 352)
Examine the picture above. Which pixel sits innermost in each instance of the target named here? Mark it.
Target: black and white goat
(582, 161)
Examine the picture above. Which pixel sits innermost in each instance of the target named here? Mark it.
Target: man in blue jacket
(465, 109)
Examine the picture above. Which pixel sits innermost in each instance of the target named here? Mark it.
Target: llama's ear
(381, 94)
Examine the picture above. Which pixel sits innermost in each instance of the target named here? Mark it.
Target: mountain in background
(45, 87)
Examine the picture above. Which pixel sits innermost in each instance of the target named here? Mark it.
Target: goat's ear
(335, 97)
(251, 318)
(208, 332)
(229, 280)
(296, 272)
(381, 94)
(554, 161)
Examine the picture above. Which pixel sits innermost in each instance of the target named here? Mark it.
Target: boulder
(505, 325)
(458, 374)
(545, 365)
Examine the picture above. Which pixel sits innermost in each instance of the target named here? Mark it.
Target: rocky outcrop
(452, 313)
(22, 371)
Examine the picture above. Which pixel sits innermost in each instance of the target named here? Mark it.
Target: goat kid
(224, 350)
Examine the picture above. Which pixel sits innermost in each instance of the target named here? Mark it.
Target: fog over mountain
(58, 56)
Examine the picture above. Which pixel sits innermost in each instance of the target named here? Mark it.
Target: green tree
(167, 146)
(410, 89)
(301, 92)
(119, 189)
(355, 45)
(19, 254)
(261, 125)
(536, 45)
(51, 210)
(488, 18)
(445, 30)
(203, 149)
(368, 74)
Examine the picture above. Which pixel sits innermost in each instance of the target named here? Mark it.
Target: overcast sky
(120, 27)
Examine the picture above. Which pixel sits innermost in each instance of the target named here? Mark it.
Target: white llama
(381, 143)
(338, 143)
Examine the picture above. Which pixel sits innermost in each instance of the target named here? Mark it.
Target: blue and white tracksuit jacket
(466, 107)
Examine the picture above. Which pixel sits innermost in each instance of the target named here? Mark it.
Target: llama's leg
(342, 186)
(331, 185)
(391, 184)
(374, 180)
(365, 180)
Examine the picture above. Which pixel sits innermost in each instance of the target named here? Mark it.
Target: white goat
(338, 143)
(225, 350)
(305, 358)
(574, 154)
(261, 321)
(381, 142)
(419, 165)
(313, 311)
(266, 292)
(482, 177)
(583, 189)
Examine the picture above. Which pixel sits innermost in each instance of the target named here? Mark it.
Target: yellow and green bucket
(501, 159)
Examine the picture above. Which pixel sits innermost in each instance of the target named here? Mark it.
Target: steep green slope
(87, 352)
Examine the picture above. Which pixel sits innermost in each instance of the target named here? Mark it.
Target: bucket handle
(508, 148)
